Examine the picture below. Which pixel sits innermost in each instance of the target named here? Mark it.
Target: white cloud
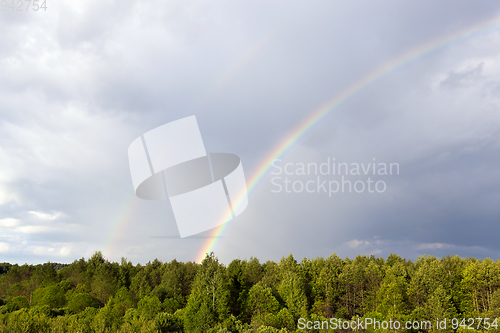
(15, 226)
(7, 195)
(32, 229)
(9, 222)
(46, 216)
(60, 250)
(4, 247)
(355, 243)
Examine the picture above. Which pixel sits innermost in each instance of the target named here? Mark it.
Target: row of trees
(96, 295)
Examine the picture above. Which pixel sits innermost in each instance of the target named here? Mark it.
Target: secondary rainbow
(118, 226)
(316, 115)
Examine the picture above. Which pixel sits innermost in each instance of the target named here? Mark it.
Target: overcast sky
(81, 80)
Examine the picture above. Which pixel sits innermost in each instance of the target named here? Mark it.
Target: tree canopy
(95, 295)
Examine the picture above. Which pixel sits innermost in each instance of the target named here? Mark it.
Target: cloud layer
(80, 81)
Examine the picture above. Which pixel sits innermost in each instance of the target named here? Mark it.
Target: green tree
(292, 287)
(393, 291)
(208, 303)
(79, 302)
(53, 296)
(440, 306)
(261, 301)
(328, 290)
(105, 276)
(149, 306)
(167, 322)
(176, 283)
(481, 280)
(17, 303)
(78, 273)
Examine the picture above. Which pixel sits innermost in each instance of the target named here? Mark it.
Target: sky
(79, 81)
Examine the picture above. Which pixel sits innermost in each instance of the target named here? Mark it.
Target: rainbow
(119, 224)
(324, 109)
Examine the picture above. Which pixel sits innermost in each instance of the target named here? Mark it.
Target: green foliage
(79, 302)
(27, 320)
(108, 319)
(208, 303)
(481, 280)
(284, 319)
(440, 306)
(17, 303)
(171, 305)
(104, 281)
(95, 295)
(328, 290)
(393, 290)
(149, 306)
(261, 301)
(53, 296)
(167, 322)
(270, 329)
(4, 267)
(292, 288)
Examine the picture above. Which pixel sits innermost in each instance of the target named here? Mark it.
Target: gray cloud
(79, 82)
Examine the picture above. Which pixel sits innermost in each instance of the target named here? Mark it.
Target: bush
(167, 322)
(79, 302)
(17, 303)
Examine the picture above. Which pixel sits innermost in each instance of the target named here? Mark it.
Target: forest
(96, 295)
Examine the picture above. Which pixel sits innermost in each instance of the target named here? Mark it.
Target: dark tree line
(96, 295)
